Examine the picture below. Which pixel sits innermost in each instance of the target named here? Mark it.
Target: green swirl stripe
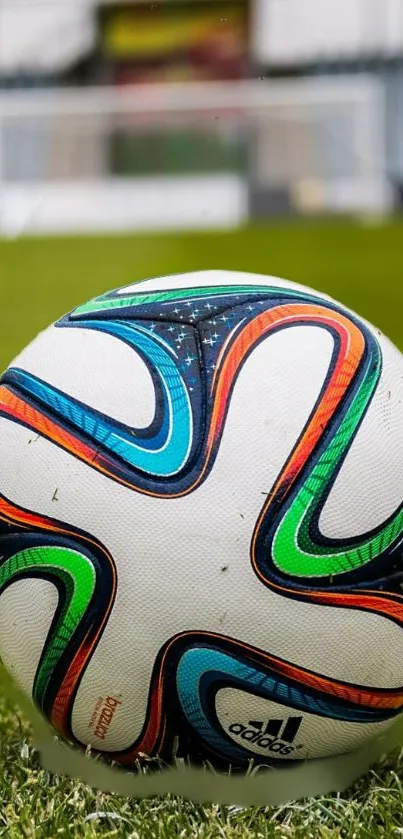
(293, 551)
(123, 301)
(77, 575)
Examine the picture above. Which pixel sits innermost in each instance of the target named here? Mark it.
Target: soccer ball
(201, 523)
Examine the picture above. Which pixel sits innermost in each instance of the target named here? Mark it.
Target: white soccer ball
(201, 522)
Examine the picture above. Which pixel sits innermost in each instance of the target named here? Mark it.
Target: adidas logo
(277, 736)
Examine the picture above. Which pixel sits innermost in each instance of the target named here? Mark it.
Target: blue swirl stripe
(163, 453)
(202, 669)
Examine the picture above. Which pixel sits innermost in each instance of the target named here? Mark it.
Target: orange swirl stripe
(352, 347)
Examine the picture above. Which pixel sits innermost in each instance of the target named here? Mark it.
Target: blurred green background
(361, 265)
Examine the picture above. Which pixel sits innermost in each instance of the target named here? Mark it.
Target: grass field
(41, 279)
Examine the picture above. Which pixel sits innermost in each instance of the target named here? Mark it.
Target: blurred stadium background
(263, 135)
(125, 116)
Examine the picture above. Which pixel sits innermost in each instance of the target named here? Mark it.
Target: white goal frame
(73, 204)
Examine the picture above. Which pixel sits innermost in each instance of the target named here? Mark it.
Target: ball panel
(70, 361)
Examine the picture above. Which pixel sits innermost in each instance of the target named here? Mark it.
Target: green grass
(36, 805)
(41, 279)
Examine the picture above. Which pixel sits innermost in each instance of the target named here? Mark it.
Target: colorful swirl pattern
(84, 573)
(194, 342)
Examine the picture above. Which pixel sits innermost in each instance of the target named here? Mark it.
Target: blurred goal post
(169, 156)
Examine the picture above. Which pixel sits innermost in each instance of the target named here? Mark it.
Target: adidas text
(277, 737)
